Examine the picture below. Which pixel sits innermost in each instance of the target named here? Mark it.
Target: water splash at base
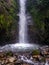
(19, 47)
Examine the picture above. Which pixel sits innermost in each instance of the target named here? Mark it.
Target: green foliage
(36, 52)
(39, 10)
(8, 18)
(9, 53)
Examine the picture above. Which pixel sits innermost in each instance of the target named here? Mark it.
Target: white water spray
(22, 23)
(46, 63)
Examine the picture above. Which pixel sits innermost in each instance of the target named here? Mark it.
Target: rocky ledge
(40, 55)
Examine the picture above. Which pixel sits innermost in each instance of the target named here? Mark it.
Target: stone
(11, 59)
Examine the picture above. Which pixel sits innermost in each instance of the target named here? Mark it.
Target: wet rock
(11, 59)
(2, 55)
(10, 64)
(17, 64)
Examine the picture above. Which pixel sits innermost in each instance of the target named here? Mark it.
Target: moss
(43, 59)
(35, 52)
(9, 53)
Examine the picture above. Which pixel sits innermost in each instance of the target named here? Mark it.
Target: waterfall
(22, 23)
(24, 46)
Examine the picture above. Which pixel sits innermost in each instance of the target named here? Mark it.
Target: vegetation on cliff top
(39, 10)
(8, 19)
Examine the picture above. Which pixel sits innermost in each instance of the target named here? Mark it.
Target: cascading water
(24, 45)
(22, 23)
(46, 63)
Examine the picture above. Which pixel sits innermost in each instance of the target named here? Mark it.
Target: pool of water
(19, 47)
